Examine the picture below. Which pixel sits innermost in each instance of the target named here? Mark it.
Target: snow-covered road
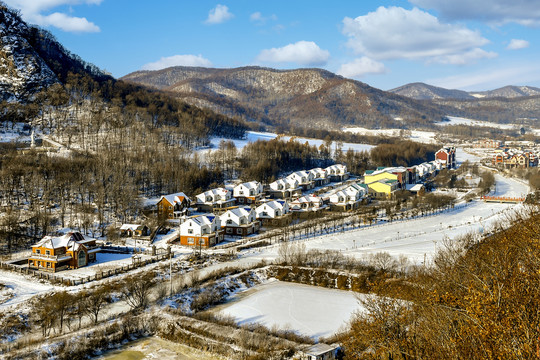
(21, 287)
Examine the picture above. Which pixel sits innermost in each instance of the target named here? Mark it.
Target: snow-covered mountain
(22, 71)
(31, 59)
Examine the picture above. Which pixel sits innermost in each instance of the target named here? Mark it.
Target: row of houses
(207, 230)
(514, 158)
(175, 206)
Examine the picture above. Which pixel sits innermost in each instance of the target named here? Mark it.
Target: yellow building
(383, 189)
(396, 173)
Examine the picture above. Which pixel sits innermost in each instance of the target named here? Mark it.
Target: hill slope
(31, 59)
(508, 92)
(421, 91)
(302, 97)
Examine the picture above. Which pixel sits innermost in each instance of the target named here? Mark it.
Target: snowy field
(454, 120)
(426, 137)
(253, 136)
(308, 310)
(417, 239)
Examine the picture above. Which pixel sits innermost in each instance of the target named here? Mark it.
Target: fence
(55, 278)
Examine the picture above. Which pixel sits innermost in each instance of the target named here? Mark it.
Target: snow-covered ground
(21, 287)
(308, 310)
(454, 120)
(427, 137)
(253, 136)
(417, 239)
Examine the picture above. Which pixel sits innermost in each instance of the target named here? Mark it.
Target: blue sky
(459, 44)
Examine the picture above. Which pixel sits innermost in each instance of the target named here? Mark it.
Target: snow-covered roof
(217, 191)
(206, 219)
(307, 199)
(239, 211)
(414, 187)
(71, 241)
(319, 349)
(250, 185)
(173, 198)
(132, 227)
(274, 204)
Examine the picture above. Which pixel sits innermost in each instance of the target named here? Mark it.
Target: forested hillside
(312, 98)
(479, 300)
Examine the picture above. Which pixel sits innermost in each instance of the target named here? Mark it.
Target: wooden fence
(68, 281)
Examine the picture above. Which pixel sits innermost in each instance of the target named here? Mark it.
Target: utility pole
(170, 272)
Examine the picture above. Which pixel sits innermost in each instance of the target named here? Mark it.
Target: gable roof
(72, 241)
(173, 198)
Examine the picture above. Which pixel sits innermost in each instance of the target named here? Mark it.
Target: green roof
(369, 172)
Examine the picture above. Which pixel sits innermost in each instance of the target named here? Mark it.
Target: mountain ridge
(307, 97)
(423, 91)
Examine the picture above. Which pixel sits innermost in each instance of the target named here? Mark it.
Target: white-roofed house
(304, 178)
(337, 172)
(69, 251)
(307, 203)
(201, 230)
(240, 221)
(320, 177)
(248, 193)
(173, 206)
(284, 188)
(273, 212)
(215, 200)
(134, 230)
(320, 351)
(348, 198)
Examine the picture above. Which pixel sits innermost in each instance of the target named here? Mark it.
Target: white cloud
(497, 12)
(397, 33)
(67, 23)
(360, 67)
(177, 60)
(301, 52)
(465, 58)
(257, 17)
(516, 44)
(32, 11)
(491, 78)
(218, 15)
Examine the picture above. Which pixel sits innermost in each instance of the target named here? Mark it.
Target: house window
(48, 264)
(239, 231)
(201, 241)
(47, 252)
(229, 222)
(229, 231)
(38, 251)
(191, 241)
(190, 231)
(170, 207)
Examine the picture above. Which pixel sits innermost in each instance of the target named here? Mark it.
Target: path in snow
(23, 287)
